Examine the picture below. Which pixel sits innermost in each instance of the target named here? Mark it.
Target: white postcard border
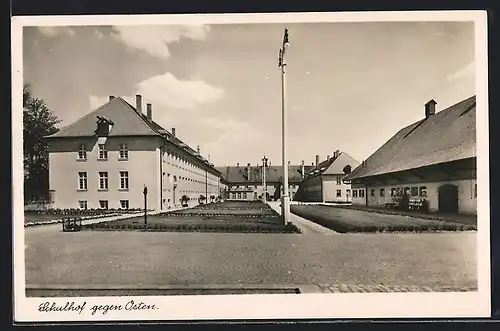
(355, 305)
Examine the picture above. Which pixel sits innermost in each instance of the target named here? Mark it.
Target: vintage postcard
(251, 166)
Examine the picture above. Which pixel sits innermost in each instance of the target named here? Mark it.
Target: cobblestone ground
(373, 262)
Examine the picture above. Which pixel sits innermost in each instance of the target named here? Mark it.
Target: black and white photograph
(257, 166)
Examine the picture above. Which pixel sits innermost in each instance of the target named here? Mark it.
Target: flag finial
(286, 41)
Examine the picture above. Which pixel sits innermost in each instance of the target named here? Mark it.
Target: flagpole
(285, 198)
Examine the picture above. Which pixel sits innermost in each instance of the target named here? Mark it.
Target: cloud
(53, 31)
(233, 136)
(168, 95)
(465, 72)
(98, 34)
(168, 91)
(155, 39)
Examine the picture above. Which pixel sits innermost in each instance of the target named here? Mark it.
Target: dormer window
(103, 152)
(104, 126)
(82, 152)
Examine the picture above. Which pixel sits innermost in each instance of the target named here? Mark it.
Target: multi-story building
(246, 182)
(324, 182)
(433, 159)
(107, 158)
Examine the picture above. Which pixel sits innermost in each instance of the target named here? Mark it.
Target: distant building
(106, 158)
(245, 182)
(433, 159)
(324, 182)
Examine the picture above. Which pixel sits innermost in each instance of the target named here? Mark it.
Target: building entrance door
(448, 198)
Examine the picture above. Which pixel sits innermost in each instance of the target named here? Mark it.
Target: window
(406, 190)
(361, 193)
(103, 152)
(103, 204)
(423, 191)
(372, 192)
(82, 152)
(339, 193)
(355, 193)
(393, 192)
(339, 180)
(382, 192)
(414, 191)
(124, 204)
(234, 195)
(82, 204)
(82, 181)
(123, 180)
(348, 192)
(475, 190)
(124, 152)
(239, 195)
(103, 180)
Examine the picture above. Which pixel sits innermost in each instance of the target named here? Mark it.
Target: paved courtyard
(433, 260)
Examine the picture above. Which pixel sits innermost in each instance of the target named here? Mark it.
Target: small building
(246, 182)
(432, 162)
(324, 182)
(106, 159)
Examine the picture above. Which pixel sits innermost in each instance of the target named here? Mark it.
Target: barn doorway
(448, 198)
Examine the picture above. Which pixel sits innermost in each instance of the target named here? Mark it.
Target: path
(305, 226)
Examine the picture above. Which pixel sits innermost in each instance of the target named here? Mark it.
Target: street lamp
(285, 199)
(264, 184)
(145, 192)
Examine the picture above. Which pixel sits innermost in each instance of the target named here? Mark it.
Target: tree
(38, 121)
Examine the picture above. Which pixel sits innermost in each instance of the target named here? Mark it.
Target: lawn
(349, 220)
(219, 217)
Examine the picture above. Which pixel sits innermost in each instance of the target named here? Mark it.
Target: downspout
(321, 182)
(162, 148)
(206, 185)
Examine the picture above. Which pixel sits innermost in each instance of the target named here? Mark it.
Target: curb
(302, 288)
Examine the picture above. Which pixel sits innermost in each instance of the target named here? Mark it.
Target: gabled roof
(333, 166)
(449, 135)
(127, 122)
(238, 174)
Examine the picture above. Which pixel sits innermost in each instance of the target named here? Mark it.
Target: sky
(350, 86)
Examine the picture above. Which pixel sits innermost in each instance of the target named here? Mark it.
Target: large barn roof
(448, 135)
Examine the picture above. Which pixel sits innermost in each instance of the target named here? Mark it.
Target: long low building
(107, 158)
(246, 182)
(324, 182)
(432, 162)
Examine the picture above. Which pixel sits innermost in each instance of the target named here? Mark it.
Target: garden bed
(54, 216)
(352, 221)
(176, 224)
(462, 219)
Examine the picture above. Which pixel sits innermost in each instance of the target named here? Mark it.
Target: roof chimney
(302, 172)
(173, 132)
(198, 149)
(138, 103)
(248, 171)
(336, 154)
(237, 164)
(288, 163)
(317, 160)
(328, 157)
(149, 110)
(430, 108)
(111, 97)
